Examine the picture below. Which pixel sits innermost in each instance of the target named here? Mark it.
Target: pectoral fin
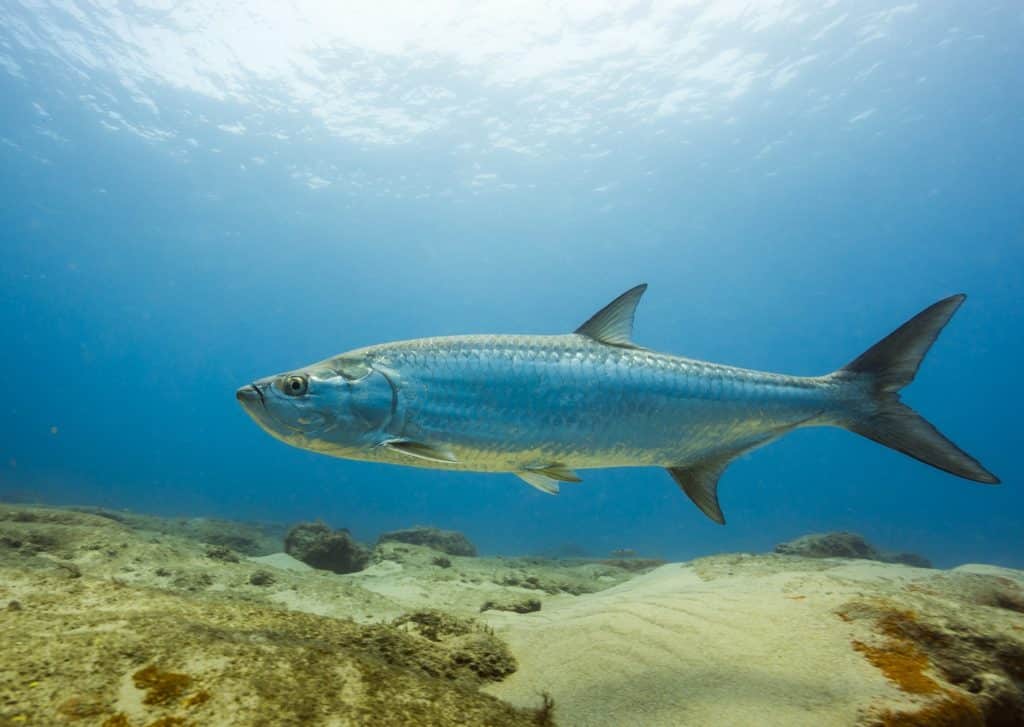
(556, 472)
(541, 482)
(546, 477)
(420, 450)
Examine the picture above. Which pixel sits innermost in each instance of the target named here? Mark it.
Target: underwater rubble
(126, 622)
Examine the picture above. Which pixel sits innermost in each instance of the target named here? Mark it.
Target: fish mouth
(250, 394)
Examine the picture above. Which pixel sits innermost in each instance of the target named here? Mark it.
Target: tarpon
(542, 407)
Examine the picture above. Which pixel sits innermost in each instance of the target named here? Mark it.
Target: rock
(846, 545)
(447, 541)
(549, 582)
(469, 651)
(221, 552)
(983, 589)
(829, 545)
(262, 578)
(441, 562)
(317, 545)
(522, 605)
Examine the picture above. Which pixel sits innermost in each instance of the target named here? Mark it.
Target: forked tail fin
(887, 367)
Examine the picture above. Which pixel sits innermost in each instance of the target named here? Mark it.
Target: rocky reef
(242, 537)
(111, 626)
(846, 545)
(446, 541)
(126, 623)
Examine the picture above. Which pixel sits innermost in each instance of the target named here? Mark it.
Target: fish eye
(295, 385)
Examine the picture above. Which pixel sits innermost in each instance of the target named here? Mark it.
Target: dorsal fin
(613, 324)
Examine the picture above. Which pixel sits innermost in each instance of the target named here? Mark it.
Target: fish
(543, 407)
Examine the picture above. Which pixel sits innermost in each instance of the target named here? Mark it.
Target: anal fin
(699, 480)
(700, 483)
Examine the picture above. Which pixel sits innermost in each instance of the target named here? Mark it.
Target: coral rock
(447, 541)
(317, 545)
(845, 545)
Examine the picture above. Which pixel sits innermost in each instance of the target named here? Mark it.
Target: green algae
(253, 664)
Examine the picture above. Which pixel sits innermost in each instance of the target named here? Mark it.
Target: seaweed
(200, 697)
(522, 605)
(161, 686)
(77, 708)
(545, 714)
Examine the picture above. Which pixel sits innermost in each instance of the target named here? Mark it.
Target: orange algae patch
(161, 686)
(902, 663)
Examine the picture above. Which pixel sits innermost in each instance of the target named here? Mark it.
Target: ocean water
(197, 194)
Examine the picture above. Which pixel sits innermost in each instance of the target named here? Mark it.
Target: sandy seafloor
(111, 619)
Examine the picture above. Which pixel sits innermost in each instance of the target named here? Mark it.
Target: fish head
(338, 406)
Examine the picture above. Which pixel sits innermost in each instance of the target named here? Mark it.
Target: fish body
(543, 407)
(508, 403)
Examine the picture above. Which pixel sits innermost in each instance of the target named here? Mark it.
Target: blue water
(199, 196)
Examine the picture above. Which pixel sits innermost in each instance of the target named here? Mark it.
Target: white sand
(671, 648)
(283, 561)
